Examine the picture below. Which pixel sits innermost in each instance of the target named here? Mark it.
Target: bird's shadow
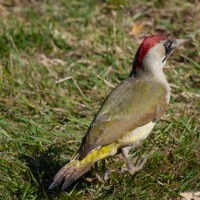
(43, 165)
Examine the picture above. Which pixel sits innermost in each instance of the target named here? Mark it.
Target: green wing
(124, 110)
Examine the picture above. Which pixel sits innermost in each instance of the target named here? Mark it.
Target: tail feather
(75, 175)
(64, 173)
(76, 168)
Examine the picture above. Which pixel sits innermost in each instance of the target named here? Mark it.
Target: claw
(133, 168)
(107, 173)
(101, 180)
(98, 177)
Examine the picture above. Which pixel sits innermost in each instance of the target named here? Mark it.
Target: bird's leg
(98, 177)
(132, 169)
(107, 172)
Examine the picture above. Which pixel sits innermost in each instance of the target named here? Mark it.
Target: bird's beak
(178, 42)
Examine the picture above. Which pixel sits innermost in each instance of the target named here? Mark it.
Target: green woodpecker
(129, 112)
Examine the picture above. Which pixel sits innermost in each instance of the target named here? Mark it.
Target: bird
(129, 112)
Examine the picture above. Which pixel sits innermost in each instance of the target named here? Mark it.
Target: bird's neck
(152, 70)
(154, 67)
(150, 67)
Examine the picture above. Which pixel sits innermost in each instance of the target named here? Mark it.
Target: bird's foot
(99, 178)
(132, 169)
(107, 173)
(94, 179)
(89, 180)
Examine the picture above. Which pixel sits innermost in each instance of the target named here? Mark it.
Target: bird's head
(154, 51)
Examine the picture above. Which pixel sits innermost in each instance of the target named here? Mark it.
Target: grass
(58, 61)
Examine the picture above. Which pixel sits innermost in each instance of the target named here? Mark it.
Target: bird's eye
(168, 46)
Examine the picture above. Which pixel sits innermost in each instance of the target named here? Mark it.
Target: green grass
(43, 117)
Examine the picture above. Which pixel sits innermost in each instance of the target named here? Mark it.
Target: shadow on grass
(43, 166)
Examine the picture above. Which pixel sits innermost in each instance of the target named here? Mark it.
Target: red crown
(147, 44)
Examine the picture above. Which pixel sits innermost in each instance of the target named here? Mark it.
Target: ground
(58, 61)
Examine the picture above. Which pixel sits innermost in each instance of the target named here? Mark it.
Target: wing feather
(124, 110)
